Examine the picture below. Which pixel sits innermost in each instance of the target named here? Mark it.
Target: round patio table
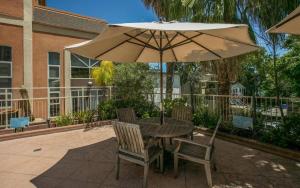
(170, 129)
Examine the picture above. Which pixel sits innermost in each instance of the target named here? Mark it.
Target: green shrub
(79, 116)
(89, 115)
(170, 103)
(142, 107)
(202, 117)
(63, 120)
(285, 134)
(107, 110)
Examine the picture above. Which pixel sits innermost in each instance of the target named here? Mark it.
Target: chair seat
(192, 150)
(152, 153)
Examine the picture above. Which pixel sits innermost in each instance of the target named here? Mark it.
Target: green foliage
(142, 107)
(170, 103)
(89, 115)
(103, 74)
(64, 120)
(133, 81)
(290, 67)
(79, 116)
(204, 118)
(84, 116)
(107, 110)
(285, 135)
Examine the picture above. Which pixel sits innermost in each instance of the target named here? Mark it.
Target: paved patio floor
(85, 158)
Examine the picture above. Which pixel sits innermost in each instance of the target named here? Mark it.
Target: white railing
(265, 109)
(40, 105)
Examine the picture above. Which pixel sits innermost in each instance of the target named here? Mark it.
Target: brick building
(32, 41)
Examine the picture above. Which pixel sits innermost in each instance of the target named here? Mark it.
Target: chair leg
(146, 169)
(117, 167)
(208, 174)
(161, 158)
(175, 166)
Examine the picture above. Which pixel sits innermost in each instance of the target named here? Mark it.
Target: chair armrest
(190, 142)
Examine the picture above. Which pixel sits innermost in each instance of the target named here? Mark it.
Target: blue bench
(17, 123)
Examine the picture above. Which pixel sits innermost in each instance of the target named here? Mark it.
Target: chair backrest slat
(212, 139)
(126, 115)
(180, 112)
(129, 137)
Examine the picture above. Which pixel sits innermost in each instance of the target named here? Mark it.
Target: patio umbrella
(167, 42)
(290, 24)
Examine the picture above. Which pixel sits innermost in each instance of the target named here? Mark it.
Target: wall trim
(11, 21)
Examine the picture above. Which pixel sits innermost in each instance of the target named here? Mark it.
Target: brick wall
(42, 44)
(12, 8)
(13, 36)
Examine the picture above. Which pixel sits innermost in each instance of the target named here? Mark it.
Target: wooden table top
(171, 128)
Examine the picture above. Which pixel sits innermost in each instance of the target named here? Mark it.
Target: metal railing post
(6, 108)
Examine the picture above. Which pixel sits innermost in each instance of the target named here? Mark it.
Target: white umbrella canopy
(167, 42)
(178, 42)
(290, 24)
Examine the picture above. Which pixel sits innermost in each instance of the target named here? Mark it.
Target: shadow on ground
(237, 166)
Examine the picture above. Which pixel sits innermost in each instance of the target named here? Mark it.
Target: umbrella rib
(142, 45)
(186, 41)
(202, 46)
(153, 35)
(171, 48)
(230, 40)
(143, 49)
(169, 42)
(119, 44)
(180, 44)
(147, 45)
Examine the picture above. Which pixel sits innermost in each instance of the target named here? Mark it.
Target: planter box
(287, 153)
(35, 130)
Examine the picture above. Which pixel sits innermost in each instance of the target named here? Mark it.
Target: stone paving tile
(86, 158)
(14, 180)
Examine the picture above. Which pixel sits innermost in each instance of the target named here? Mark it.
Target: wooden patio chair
(126, 115)
(198, 153)
(131, 147)
(183, 113)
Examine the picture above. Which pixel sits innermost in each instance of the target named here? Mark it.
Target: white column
(27, 47)
(67, 67)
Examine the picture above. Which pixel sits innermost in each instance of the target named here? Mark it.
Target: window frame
(52, 90)
(88, 66)
(7, 92)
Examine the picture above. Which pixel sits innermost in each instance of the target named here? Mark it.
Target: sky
(113, 11)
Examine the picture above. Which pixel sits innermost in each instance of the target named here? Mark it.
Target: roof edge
(69, 13)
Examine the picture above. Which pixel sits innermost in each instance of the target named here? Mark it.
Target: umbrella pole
(161, 90)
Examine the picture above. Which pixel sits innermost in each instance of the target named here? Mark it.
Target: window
(5, 76)
(54, 83)
(81, 67)
(5, 67)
